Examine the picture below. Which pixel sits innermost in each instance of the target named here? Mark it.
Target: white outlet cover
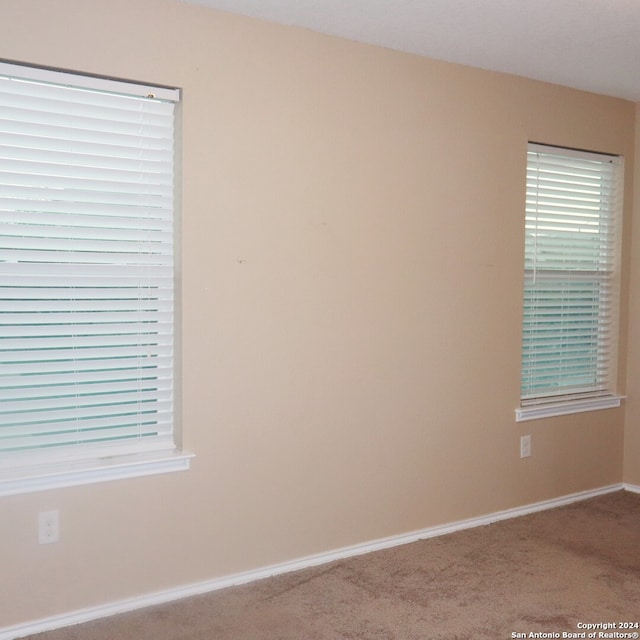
(48, 527)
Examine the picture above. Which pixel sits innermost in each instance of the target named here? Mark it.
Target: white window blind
(86, 268)
(570, 287)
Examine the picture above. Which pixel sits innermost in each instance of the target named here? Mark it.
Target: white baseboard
(161, 597)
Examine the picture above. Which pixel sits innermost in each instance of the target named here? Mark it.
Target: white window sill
(82, 472)
(534, 412)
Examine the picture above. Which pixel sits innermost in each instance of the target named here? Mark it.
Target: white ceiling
(586, 44)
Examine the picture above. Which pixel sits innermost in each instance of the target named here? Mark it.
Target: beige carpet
(542, 573)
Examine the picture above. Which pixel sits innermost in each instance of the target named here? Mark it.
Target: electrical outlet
(48, 527)
(525, 446)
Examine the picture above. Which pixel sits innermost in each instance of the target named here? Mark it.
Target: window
(570, 282)
(86, 279)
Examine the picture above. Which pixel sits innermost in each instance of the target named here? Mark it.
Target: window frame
(571, 398)
(23, 472)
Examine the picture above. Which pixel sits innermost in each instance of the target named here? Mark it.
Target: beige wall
(632, 432)
(352, 240)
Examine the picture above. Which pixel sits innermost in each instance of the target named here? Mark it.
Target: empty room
(319, 319)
